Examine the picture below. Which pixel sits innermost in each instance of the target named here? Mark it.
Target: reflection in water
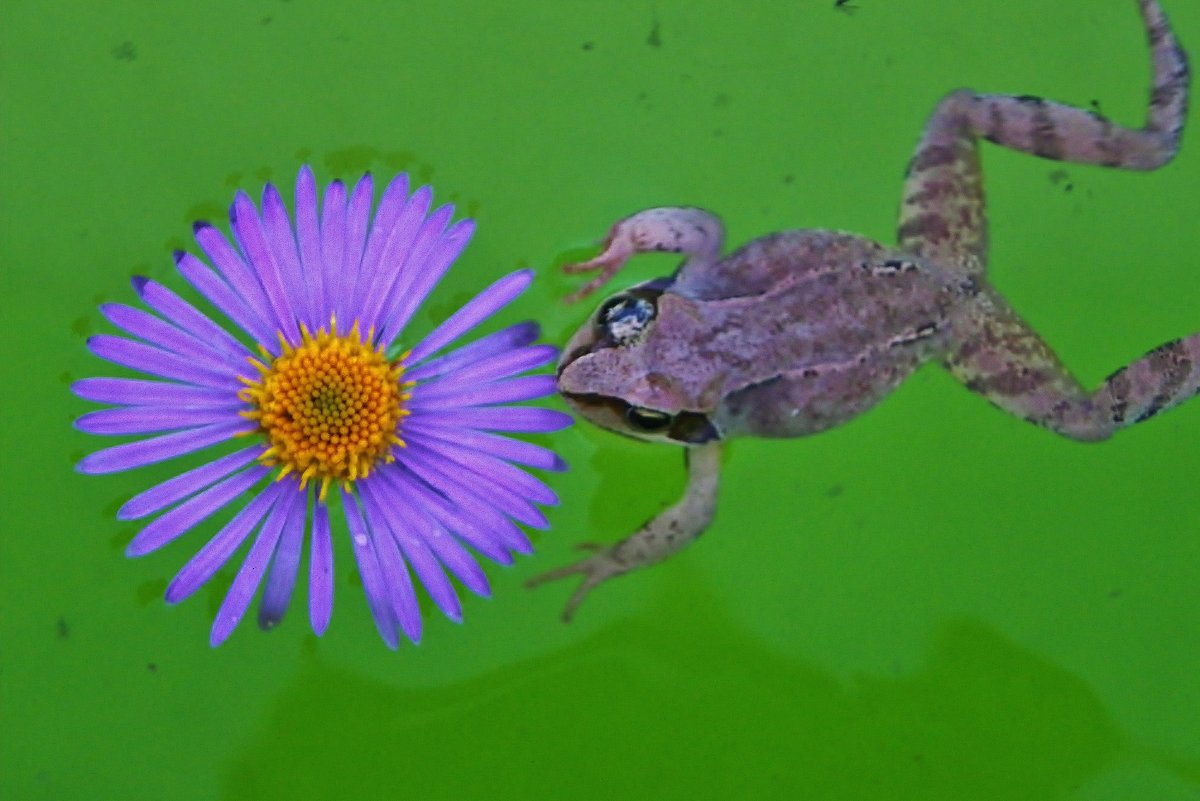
(645, 712)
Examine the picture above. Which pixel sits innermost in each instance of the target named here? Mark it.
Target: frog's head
(614, 372)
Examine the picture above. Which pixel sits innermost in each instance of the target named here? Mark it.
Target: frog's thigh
(942, 211)
(999, 356)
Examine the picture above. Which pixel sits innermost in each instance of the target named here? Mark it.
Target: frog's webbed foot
(658, 539)
(595, 569)
(669, 229)
(617, 250)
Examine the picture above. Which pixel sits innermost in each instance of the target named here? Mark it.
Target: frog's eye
(624, 318)
(647, 420)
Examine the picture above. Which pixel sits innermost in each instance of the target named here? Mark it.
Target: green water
(935, 602)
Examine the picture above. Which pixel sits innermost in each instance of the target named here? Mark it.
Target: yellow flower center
(330, 407)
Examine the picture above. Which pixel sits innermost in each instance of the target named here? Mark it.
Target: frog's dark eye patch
(688, 428)
(693, 428)
(647, 420)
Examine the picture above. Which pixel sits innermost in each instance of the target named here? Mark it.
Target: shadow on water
(680, 717)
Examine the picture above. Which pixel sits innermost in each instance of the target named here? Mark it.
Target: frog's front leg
(658, 539)
(668, 229)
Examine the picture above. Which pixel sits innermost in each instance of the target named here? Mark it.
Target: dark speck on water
(654, 39)
(125, 51)
(1061, 178)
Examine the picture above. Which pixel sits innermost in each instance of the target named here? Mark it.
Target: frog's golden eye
(647, 420)
(622, 319)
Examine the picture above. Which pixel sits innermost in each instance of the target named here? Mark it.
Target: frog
(800, 331)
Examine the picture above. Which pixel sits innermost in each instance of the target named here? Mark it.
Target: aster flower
(409, 444)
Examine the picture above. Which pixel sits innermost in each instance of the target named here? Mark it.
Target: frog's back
(773, 261)
(848, 291)
(840, 320)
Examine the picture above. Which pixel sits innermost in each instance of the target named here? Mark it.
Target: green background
(935, 602)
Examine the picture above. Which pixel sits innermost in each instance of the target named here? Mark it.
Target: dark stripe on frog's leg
(942, 211)
(1001, 358)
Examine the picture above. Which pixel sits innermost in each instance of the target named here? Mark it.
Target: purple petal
(512, 450)
(528, 419)
(175, 489)
(333, 248)
(396, 218)
(395, 576)
(320, 571)
(285, 565)
(140, 392)
(375, 587)
(478, 309)
(457, 560)
(151, 419)
(493, 344)
(239, 275)
(472, 499)
(431, 532)
(468, 475)
(503, 365)
(358, 215)
(432, 265)
(391, 510)
(188, 514)
(448, 395)
(220, 294)
(308, 235)
(147, 327)
(491, 470)
(252, 240)
(426, 262)
(188, 317)
(281, 244)
(216, 552)
(249, 576)
(157, 449)
(407, 253)
(155, 361)
(470, 518)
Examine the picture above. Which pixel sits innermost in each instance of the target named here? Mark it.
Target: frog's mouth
(614, 414)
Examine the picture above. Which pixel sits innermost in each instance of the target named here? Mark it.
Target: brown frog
(800, 331)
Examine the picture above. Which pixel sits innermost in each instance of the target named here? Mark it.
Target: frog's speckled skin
(800, 331)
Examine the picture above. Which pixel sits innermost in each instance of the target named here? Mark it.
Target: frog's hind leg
(1000, 357)
(942, 211)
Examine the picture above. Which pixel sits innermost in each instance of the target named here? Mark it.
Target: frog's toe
(574, 268)
(595, 570)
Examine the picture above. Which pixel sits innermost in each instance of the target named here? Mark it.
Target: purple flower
(329, 407)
